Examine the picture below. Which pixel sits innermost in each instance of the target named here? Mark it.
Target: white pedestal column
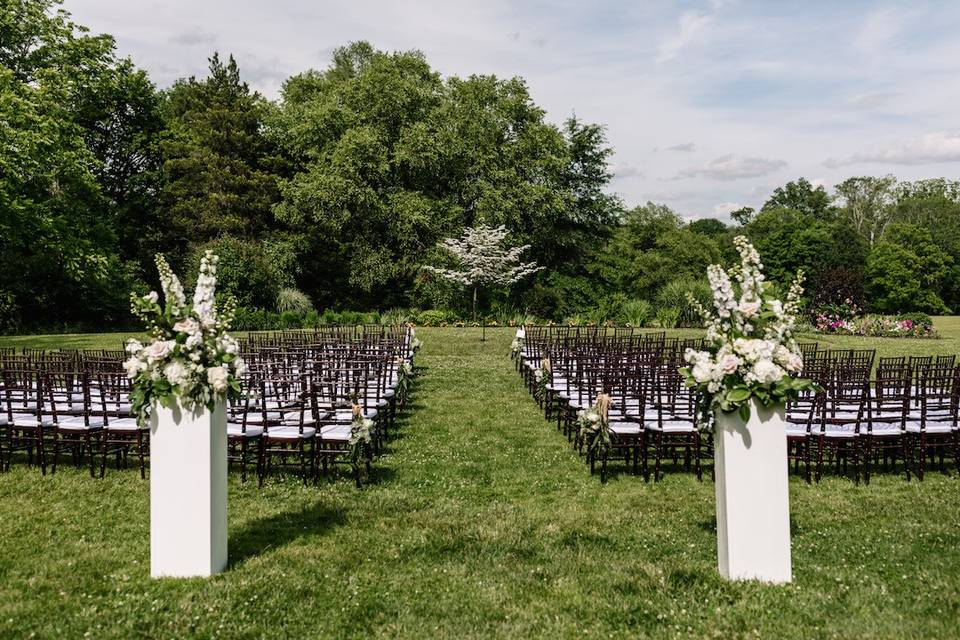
(753, 498)
(188, 491)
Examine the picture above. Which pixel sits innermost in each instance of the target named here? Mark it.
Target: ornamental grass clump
(750, 349)
(189, 356)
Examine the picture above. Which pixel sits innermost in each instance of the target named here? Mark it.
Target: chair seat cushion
(124, 424)
(914, 426)
(75, 423)
(336, 432)
(290, 433)
(237, 430)
(256, 417)
(625, 428)
(672, 426)
(30, 420)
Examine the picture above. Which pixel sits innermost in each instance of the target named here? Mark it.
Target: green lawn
(480, 522)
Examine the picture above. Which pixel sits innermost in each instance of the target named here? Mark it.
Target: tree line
(338, 192)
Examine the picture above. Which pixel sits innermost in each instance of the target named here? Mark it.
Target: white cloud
(879, 28)
(686, 146)
(623, 170)
(875, 99)
(691, 23)
(731, 167)
(929, 148)
(724, 208)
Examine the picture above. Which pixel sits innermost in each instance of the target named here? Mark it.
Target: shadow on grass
(272, 532)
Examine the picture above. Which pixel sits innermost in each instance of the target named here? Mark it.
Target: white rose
(187, 326)
(175, 372)
(217, 377)
(133, 346)
(729, 363)
(748, 309)
(160, 349)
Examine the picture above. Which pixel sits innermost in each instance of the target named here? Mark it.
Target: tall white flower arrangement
(190, 356)
(750, 348)
(485, 261)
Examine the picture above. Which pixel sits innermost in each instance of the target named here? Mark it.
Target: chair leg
(243, 459)
(56, 452)
(696, 456)
(923, 456)
(658, 452)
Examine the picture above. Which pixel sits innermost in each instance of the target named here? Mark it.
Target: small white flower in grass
(218, 378)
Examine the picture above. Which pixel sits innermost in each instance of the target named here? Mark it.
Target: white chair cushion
(124, 424)
(913, 426)
(256, 417)
(234, 429)
(30, 420)
(290, 433)
(337, 432)
(672, 426)
(75, 423)
(625, 428)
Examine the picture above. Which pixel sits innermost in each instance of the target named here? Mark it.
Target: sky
(709, 105)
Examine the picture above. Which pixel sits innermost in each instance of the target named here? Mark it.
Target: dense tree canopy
(343, 187)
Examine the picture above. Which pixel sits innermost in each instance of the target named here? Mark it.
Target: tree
(743, 215)
(484, 261)
(867, 205)
(59, 261)
(221, 171)
(906, 271)
(803, 197)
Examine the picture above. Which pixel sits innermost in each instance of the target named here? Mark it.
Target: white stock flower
(133, 346)
(748, 309)
(153, 297)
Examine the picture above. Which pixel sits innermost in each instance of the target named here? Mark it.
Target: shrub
(290, 299)
(436, 317)
(673, 295)
(636, 313)
(668, 317)
(243, 272)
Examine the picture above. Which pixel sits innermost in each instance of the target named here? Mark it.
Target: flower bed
(876, 326)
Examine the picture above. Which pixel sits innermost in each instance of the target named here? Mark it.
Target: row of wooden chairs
(868, 412)
(297, 401)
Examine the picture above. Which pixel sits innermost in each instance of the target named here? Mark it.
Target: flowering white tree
(484, 259)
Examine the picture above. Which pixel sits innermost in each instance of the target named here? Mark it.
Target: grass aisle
(481, 522)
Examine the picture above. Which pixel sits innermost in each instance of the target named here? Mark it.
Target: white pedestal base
(753, 498)
(188, 491)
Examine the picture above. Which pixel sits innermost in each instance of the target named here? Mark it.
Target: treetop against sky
(709, 104)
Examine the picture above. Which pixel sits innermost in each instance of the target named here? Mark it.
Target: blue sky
(709, 105)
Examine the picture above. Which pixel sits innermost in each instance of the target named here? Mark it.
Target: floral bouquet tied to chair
(748, 370)
(181, 382)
